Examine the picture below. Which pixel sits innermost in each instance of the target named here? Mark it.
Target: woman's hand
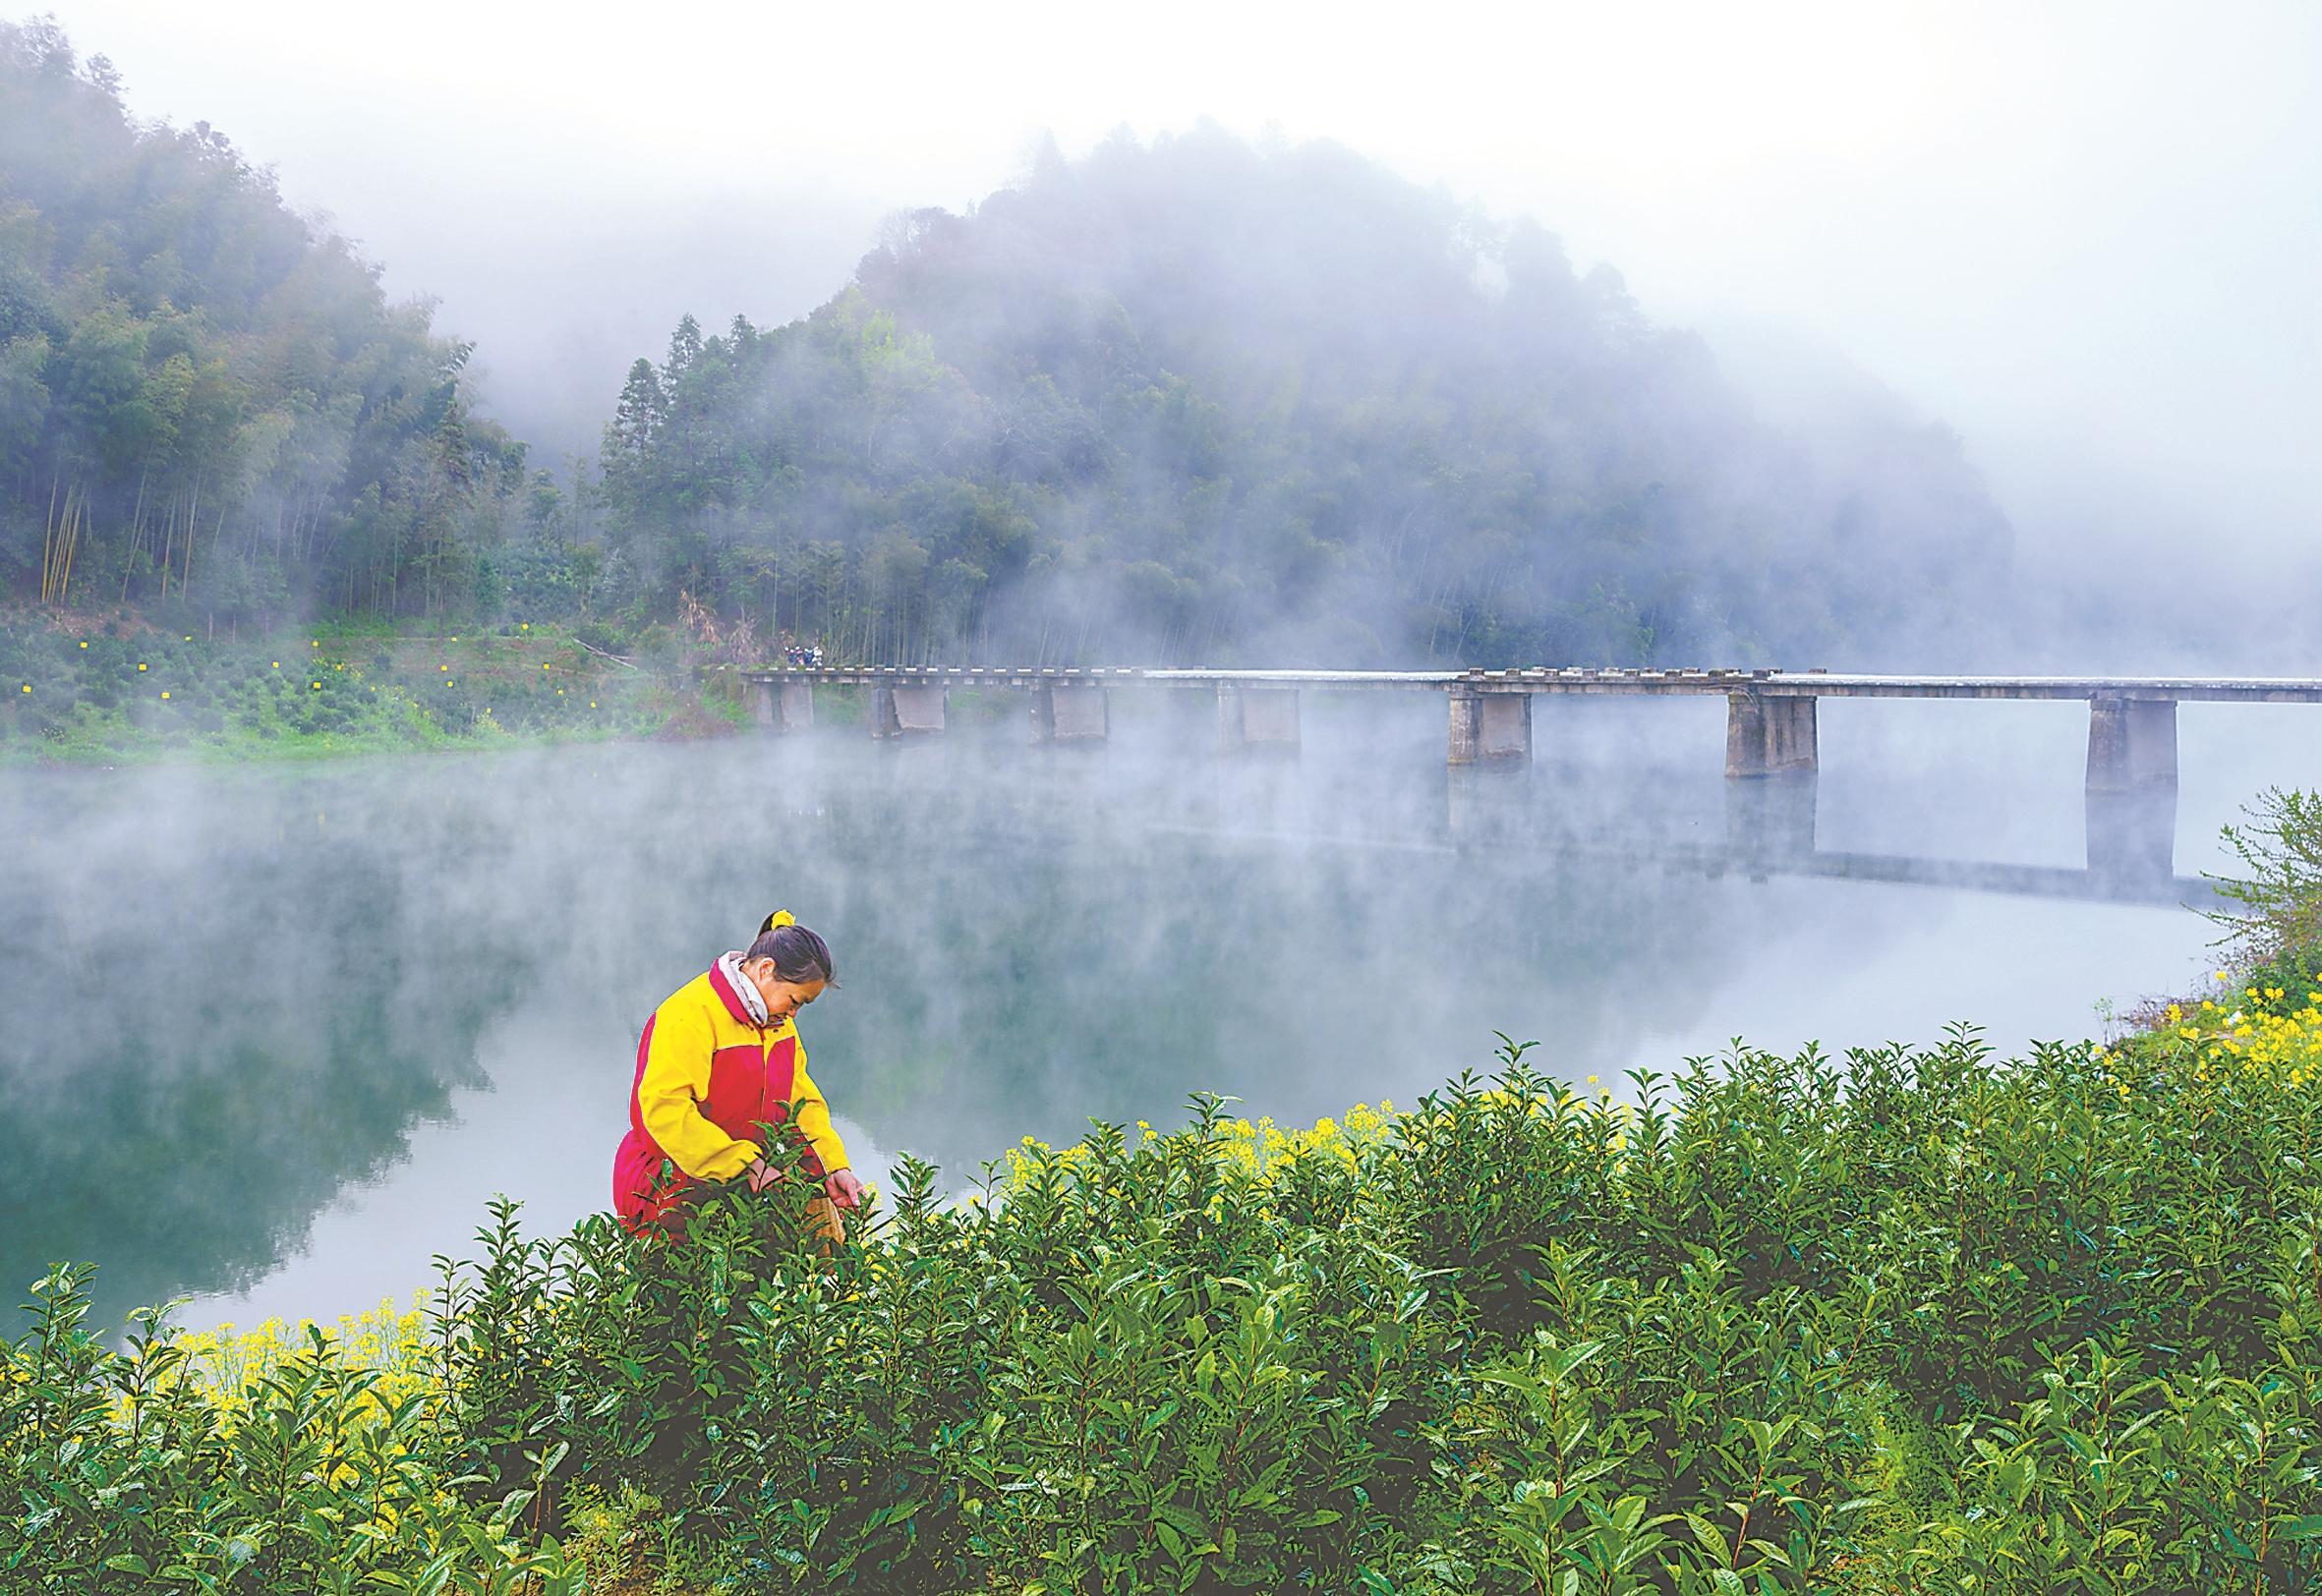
(841, 1186)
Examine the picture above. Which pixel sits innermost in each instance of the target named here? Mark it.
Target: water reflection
(275, 1033)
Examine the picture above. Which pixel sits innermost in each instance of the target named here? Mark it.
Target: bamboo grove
(205, 401)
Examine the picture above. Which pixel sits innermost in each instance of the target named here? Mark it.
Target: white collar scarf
(743, 986)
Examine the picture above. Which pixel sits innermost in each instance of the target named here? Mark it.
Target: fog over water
(279, 1032)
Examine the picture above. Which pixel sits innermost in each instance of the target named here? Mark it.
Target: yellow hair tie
(780, 917)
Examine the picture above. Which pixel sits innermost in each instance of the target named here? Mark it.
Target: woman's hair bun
(798, 954)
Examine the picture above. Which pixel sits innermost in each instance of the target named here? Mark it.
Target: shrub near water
(123, 691)
(1901, 1322)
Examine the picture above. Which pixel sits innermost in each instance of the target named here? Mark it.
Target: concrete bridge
(1770, 721)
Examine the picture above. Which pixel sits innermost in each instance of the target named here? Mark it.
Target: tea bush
(1911, 1320)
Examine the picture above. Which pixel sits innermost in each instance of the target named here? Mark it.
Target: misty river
(275, 1033)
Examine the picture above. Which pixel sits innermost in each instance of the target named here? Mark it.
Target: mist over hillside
(1199, 400)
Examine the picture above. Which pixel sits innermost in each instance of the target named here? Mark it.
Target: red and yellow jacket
(706, 1077)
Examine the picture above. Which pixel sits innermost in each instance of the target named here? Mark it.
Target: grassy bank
(121, 689)
(1904, 1321)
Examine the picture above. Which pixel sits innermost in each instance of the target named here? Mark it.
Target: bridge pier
(2131, 801)
(2132, 835)
(1770, 735)
(797, 706)
(1490, 728)
(908, 709)
(1481, 810)
(783, 706)
(1251, 718)
(2131, 744)
(1071, 714)
(1771, 822)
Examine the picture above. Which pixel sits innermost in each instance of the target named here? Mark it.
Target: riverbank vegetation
(1908, 1320)
(123, 688)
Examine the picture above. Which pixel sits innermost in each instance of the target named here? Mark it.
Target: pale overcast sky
(2087, 236)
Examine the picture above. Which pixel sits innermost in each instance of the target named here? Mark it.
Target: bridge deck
(1771, 683)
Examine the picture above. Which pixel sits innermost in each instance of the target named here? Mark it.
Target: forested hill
(1197, 401)
(1179, 402)
(205, 403)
